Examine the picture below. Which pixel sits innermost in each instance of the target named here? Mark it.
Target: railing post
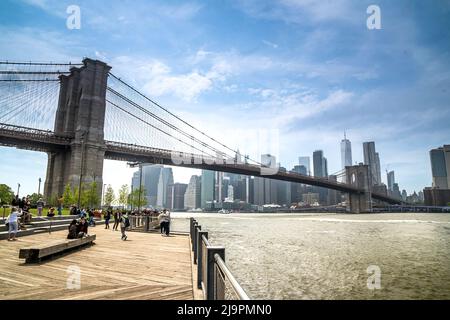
(147, 223)
(191, 231)
(200, 257)
(210, 272)
(193, 236)
(197, 229)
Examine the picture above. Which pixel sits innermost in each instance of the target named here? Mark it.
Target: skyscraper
(207, 188)
(378, 167)
(440, 167)
(320, 164)
(301, 169)
(175, 196)
(391, 180)
(372, 159)
(165, 179)
(193, 193)
(325, 167)
(305, 161)
(219, 191)
(150, 179)
(258, 191)
(320, 170)
(346, 152)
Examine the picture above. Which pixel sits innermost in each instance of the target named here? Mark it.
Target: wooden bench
(36, 253)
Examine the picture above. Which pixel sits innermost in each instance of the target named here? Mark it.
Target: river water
(326, 256)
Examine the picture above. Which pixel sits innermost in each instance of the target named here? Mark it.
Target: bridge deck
(146, 266)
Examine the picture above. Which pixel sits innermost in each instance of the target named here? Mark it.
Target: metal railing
(142, 222)
(213, 276)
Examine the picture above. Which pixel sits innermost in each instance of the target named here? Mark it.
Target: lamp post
(140, 188)
(81, 168)
(133, 165)
(130, 198)
(39, 187)
(103, 194)
(18, 189)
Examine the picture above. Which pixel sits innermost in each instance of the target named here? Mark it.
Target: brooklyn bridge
(82, 114)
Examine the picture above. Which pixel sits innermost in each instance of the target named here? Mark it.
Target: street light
(133, 165)
(81, 167)
(18, 189)
(103, 194)
(39, 188)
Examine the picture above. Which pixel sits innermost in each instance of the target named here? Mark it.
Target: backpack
(126, 221)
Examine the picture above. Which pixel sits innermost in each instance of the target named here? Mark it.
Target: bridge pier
(81, 116)
(358, 176)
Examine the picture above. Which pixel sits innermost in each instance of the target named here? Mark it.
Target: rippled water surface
(323, 256)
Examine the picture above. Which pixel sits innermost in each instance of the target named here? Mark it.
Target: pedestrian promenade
(146, 266)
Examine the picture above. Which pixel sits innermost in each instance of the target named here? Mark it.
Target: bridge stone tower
(358, 176)
(81, 116)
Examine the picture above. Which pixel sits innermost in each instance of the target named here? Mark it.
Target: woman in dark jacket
(72, 230)
(82, 228)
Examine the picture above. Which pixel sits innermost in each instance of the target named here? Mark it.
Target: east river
(326, 256)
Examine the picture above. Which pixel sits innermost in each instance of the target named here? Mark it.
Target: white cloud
(301, 11)
(270, 44)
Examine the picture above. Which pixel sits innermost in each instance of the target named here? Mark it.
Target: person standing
(167, 212)
(40, 206)
(60, 204)
(124, 224)
(162, 222)
(116, 220)
(107, 218)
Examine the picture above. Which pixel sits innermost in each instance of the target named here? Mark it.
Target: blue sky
(306, 69)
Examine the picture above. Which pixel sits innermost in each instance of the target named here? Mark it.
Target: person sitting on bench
(82, 228)
(73, 230)
(51, 212)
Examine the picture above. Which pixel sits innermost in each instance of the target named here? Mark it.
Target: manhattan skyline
(265, 71)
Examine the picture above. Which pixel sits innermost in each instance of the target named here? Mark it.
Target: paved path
(146, 266)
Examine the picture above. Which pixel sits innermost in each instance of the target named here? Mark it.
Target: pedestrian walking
(107, 217)
(124, 224)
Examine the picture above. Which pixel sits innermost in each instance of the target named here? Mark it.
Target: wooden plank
(146, 266)
(45, 249)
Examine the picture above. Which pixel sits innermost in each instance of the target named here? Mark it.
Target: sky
(306, 70)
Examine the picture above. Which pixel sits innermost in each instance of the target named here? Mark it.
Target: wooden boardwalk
(146, 266)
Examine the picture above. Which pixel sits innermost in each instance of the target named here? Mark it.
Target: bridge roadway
(47, 141)
(145, 267)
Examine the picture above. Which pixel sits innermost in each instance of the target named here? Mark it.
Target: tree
(109, 196)
(123, 195)
(6, 194)
(34, 198)
(134, 198)
(90, 197)
(68, 197)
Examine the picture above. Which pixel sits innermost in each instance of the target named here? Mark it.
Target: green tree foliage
(6, 194)
(123, 195)
(109, 196)
(34, 198)
(91, 196)
(68, 197)
(134, 198)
